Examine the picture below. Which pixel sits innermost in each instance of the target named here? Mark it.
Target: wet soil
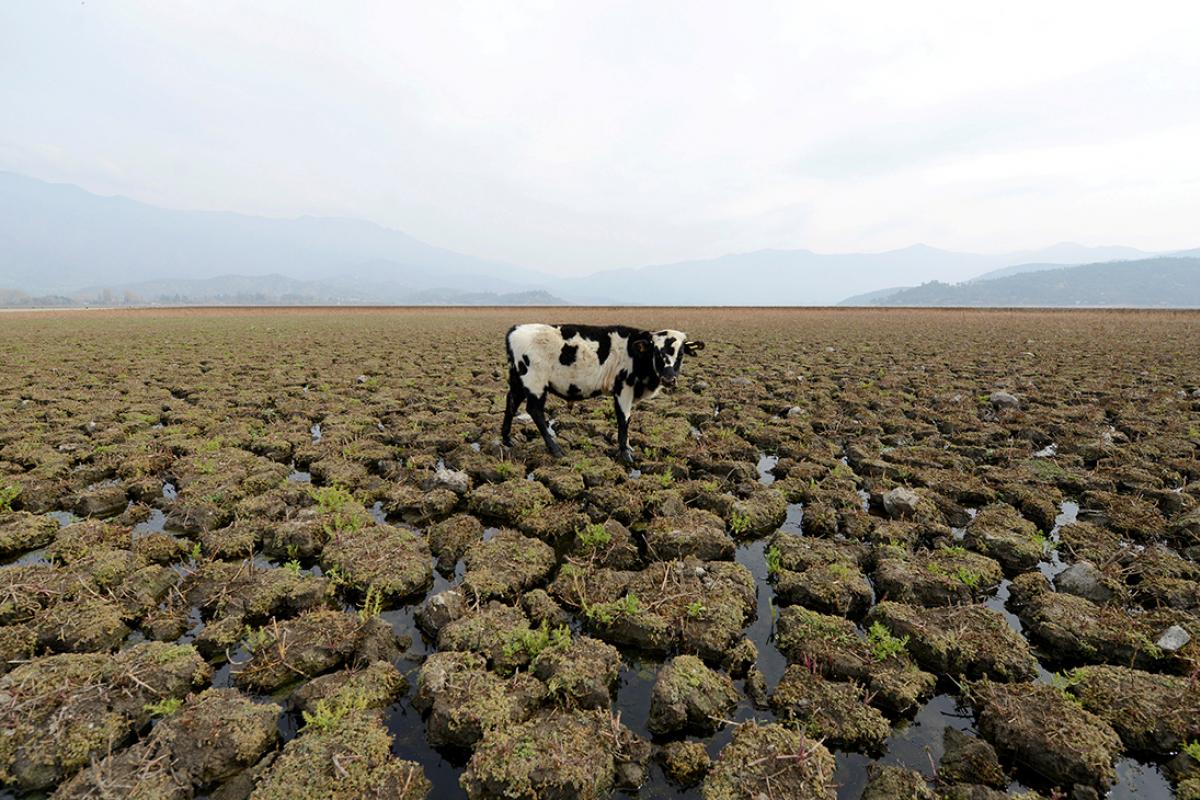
(835, 531)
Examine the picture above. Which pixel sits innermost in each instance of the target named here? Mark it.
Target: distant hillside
(59, 241)
(1017, 269)
(871, 298)
(57, 238)
(275, 290)
(1149, 283)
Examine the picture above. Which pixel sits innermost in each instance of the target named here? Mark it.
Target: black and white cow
(580, 361)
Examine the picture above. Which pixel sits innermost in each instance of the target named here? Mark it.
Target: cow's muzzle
(668, 379)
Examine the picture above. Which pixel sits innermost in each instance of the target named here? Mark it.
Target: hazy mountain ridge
(273, 290)
(1167, 282)
(62, 244)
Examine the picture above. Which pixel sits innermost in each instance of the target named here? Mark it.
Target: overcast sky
(576, 136)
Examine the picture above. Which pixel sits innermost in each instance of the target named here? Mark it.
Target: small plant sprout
(594, 536)
(372, 604)
(739, 522)
(774, 560)
(7, 494)
(884, 644)
(696, 609)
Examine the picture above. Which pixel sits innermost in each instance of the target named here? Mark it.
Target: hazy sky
(575, 136)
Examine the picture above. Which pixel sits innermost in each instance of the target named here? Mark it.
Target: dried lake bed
(280, 553)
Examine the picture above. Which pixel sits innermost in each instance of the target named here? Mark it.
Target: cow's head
(665, 351)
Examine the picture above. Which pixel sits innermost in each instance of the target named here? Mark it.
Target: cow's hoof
(556, 451)
(506, 443)
(626, 456)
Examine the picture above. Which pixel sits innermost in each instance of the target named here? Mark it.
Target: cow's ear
(692, 348)
(641, 346)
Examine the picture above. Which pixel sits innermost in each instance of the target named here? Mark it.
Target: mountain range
(60, 244)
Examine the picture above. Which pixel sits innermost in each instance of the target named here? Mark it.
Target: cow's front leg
(623, 402)
(537, 410)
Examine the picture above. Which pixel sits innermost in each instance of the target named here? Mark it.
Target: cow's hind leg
(624, 407)
(516, 390)
(537, 410)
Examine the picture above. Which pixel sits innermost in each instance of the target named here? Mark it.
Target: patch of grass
(507, 470)
(326, 714)
(1044, 543)
(774, 560)
(7, 495)
(536, 640)
(594, 536)
(696, 609)
(840, 571)
(968, 577)
(884, 644)
(605, 613)
(163, 708)
(1191, 749)
(739, 522)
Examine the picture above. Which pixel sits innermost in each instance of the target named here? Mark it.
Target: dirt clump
(556, 753)
(211, 737)
(505, 565)
(832, 711)
(463, 700)
(770, 759)
(64, 709)
(347, 757)
(832, 644)
(689, 695)
(966, 640)
(1041, 730)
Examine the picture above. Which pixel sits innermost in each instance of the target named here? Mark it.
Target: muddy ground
(280, 553)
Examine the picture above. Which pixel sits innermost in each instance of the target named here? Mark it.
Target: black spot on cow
(522, 367)
(668, 344)
(620, 380)
(525, 359)
(603, 348)
(567, 356)
(574, 392)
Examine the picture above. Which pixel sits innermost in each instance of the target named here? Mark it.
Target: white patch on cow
(544, 343)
